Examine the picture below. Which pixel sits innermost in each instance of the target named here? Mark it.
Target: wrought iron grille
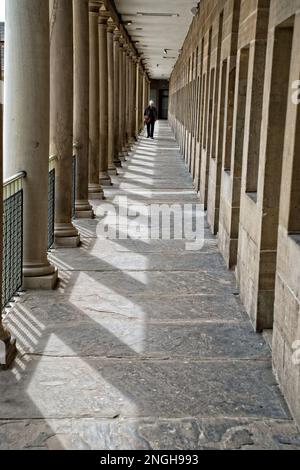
(51, 207)
(12, 246)
(74, 182)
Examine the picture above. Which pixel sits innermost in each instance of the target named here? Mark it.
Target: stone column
(81, 106)
(7, 344)
(121, 99)
(61, 118)
(129, 136)
(126, 141)
(103, 86)
(141, 110)
(26, 129)
(117, 35)
(131, 100)
(133, 112)
(95, 189)
(138, 102)
(124, 100)
(111, 98)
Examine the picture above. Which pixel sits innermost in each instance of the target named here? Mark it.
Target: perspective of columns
(103, 96)
(61, 118)
(95, 189)
(81, 106)
(26, 130)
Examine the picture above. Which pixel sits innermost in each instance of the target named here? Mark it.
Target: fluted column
(26, 129)
(111, 98)
(103, 86)
(95, 189)
(117, 35)
(81, 106)
(61, 117)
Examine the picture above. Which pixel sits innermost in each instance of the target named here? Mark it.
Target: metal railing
(51, 200)
(12, 269)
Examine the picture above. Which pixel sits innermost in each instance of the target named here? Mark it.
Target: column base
(118, 163)
(84, 214)
(9, 350)
(47, 282)
(66, 235)
(83, 210)
(95, 191)
(96, 196)
(104, 179)
(112, 170)
(67, 242)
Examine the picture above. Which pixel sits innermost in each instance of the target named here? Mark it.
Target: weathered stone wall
(232, 111)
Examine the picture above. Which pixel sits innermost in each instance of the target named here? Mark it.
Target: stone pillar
(26, 129)
(103, 87)
(95, 189)
(117, 35)
(124, 100)
(61, 118)
(7, 344)
(138, 99)
(126, 96)
(141, 110)
(133, 68)
(121, 99)
(130, 99)
(81, 106)
(111, 98)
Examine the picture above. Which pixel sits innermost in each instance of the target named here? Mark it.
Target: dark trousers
(150, 128)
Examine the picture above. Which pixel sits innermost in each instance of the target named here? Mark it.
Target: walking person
(150, 116)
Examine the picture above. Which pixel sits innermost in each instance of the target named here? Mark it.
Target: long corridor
(144, 344)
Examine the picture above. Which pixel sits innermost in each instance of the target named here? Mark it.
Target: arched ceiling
(159, 29)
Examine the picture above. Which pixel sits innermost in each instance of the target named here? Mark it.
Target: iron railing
(51, 200)
(12, 269)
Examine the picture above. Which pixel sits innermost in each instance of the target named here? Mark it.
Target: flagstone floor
(144, 344)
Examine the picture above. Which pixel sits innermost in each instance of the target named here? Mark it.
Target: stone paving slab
(148, 307)
(113, 336)
(144, 283)
(60, 387)
(149, 434)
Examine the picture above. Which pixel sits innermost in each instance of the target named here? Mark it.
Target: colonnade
(74, 86)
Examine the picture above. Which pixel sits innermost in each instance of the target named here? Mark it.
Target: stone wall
(237, 125)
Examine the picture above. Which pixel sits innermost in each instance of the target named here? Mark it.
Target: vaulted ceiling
(159, 28)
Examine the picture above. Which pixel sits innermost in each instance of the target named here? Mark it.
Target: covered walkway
(143, 344)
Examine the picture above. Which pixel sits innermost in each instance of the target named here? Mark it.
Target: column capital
(121, 41)
(103, 17)
(94, 7)
(117, 34)
(111, 26)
